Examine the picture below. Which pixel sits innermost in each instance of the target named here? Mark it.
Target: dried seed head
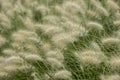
(55, 54)
(18, 37)
(95, 46)
(28, 22)
(2, 59)
(110, 77)
(110, 40)
(42, 9)
(4, 22)
(9, 52)
(54, 63)
(51, 29)
(63, 74)
(114, 62)
(73, 8)
(14, 60)
(46, 46)
(116, 23)
(11, 68)
(2, 40)
(99, 8)
(112, 4)
(3, 74)
(91, 57)
(33, 57)
(92, 13)
(31, 47)
(62, 39)
(51, 19)
(94, 25)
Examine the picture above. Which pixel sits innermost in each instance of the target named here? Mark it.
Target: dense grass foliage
(59, 40)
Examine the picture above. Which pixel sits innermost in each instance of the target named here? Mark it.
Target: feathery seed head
(27, 33)
(55, 54)
(95, 25)
(14, 60)
(91, 57)
(5, 23)
(117, 16)
(112, 4)
(3, 74)
(62, 39)
(25, 67)
(6, 6)
(31, 47)
(92, 13)
(51, 29)
(28, 22)
(99, 8)
(73, 8)
(2, 59)
(10, 13)
(52, 19)
(19, 8)
(118, 33)
(46, 46)
(110, 77)
(95, 2)
(33, 58)
(9, 52)
(110, 40)
(2, 40)
(43, 9)
(95, 46)
(54, 62)
(114, 62)
(116, 23)
(18, 37)
(63, 74)
(102, 11)
(29, 13)
(17, 45)
(23, 35)
(11, 68)
(34, 39)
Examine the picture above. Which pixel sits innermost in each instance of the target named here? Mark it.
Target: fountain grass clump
(59, 40)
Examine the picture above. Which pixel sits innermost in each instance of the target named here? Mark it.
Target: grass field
(59, 40)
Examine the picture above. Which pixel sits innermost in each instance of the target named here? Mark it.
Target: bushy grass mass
(59, 40)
